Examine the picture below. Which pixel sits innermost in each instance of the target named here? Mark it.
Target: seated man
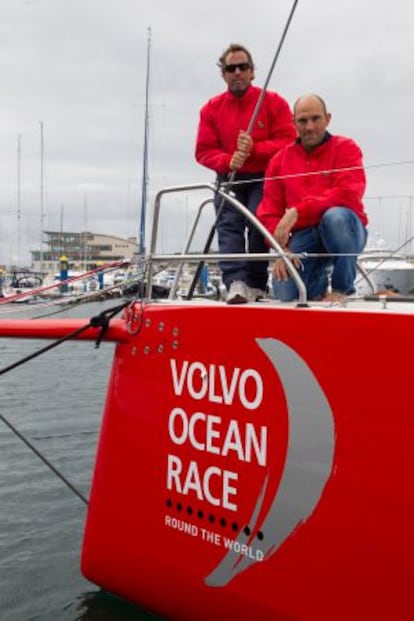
(312, 203)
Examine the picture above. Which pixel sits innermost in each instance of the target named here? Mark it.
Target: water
(56, 400)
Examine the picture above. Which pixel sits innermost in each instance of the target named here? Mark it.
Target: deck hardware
(383, 299)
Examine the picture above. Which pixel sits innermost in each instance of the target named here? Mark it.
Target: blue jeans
(232, 227)
(340, 231)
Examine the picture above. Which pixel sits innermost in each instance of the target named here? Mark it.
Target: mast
(85, 241)
(41, 195)
(141, 243)
(19, 151)
(62, 244)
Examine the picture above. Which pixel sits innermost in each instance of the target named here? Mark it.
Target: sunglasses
(232, 68)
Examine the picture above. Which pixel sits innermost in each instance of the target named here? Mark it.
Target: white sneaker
(238, 293)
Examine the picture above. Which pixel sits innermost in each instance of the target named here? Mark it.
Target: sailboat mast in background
(141, 243)
(19, 202)
(41, 194)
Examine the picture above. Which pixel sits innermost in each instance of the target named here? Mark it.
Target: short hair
(234, 47)
(318, 97)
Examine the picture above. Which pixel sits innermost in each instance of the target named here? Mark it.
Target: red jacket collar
(326, 138)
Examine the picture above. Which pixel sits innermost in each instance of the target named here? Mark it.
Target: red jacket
(221, 120)
(311, 194)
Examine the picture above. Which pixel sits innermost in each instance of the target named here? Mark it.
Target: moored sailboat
(390, 272)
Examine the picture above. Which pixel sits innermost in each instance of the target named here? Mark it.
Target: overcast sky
(78, 68)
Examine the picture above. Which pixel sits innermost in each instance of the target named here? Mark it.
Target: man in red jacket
(224, 146)
(312, 203)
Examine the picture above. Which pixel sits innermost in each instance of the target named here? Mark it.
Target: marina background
(56, 400)
(79, 69)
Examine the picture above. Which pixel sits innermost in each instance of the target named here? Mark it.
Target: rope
(74, 300)
(102, 320)
(39, 290)
(43, 350)
(43, 458)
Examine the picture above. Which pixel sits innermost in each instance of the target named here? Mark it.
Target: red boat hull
(256, 463)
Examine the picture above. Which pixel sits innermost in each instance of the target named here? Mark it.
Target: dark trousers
(238, 235)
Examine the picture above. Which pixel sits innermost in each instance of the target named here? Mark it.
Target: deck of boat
(377, 304)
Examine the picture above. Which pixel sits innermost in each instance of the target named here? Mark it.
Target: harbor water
(56, 401)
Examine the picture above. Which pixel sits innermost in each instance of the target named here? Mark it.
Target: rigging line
(75, 434)
(317, 172)
(101, 320)
(259, 102)
(369, 254)
(69, 305)
(43, 458)
(43, 350)
(72, 301)
(62, 282)
(85, 298)
(42, 304)
(383, 258)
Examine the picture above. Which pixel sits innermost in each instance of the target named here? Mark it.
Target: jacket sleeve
(346, 187)
(273, 203)
(208, 150)
(282, 130)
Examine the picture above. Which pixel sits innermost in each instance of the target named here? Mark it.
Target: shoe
(238, 293)
(256, 294)
(335, 297)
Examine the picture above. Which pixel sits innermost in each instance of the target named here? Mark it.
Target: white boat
(21, 286)
(77, 282)
(388, 271)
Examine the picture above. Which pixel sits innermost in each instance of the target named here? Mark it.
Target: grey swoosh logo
(308, 465)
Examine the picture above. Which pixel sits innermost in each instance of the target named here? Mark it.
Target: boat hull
(253, 464)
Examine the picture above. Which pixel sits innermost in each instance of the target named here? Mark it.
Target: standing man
(224, 146)
(312, 203)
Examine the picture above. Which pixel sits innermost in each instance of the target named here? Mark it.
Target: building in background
(83, 250)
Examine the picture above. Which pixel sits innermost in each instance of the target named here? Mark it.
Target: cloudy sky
(73, 72)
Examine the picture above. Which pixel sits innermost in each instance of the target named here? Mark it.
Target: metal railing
(186, 257)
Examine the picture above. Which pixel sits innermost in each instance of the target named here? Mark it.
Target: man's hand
(238, 159)
(244, 142)
(286, 224)
(280, 271)
(244, 148)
